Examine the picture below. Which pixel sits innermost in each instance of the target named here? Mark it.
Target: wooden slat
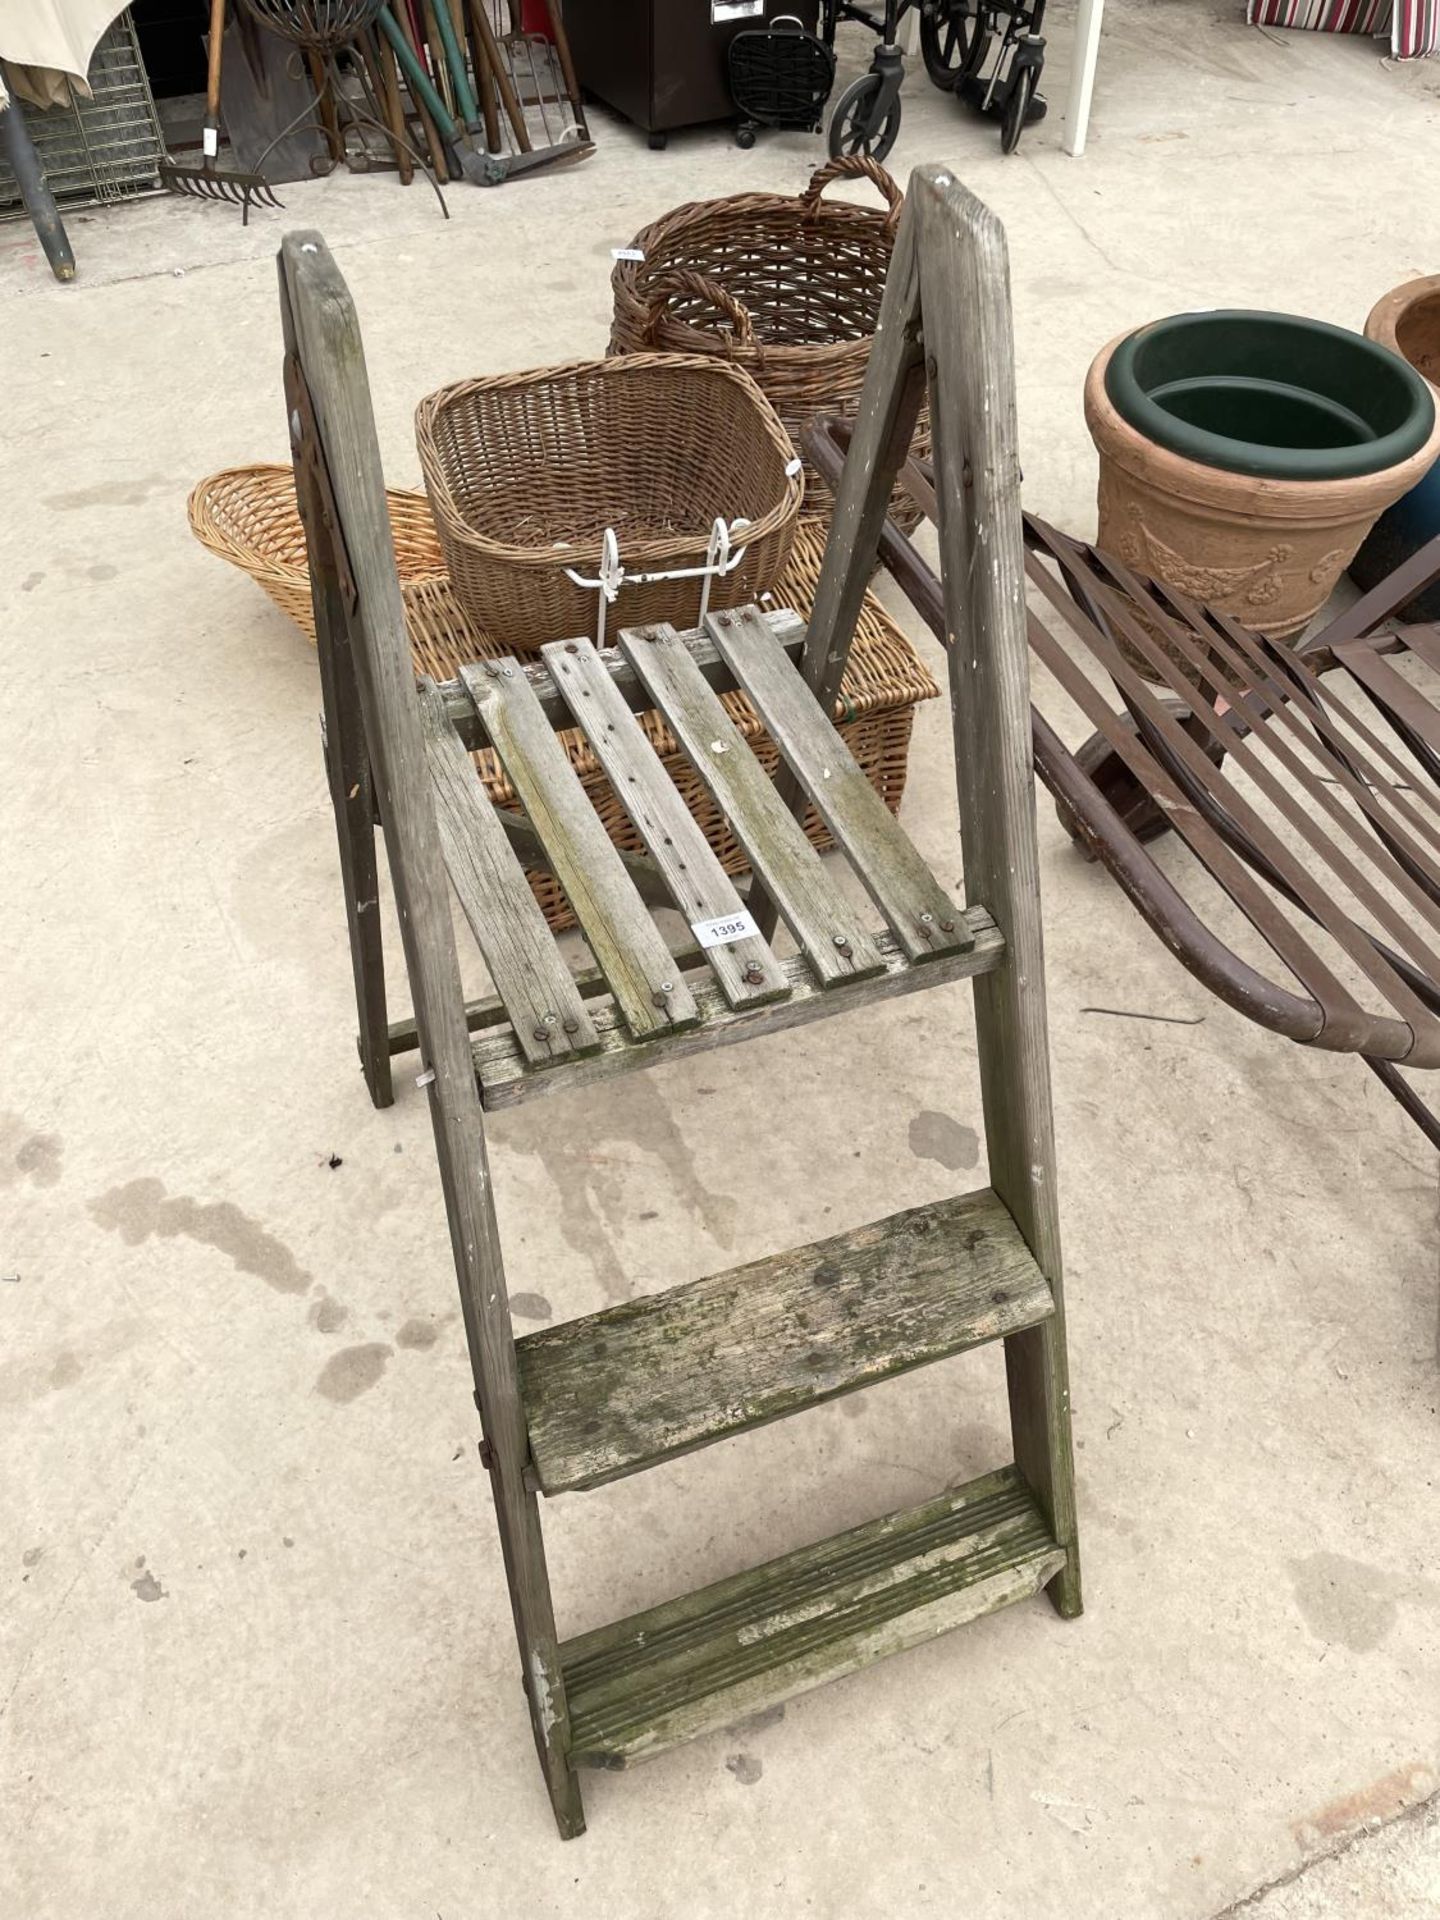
(891, 399)
(747, 970)
(590, 984)
(322, 333)
(347, 767)
(893, 394)
(710, 1658)
(824, 924)
(549, 1018)
(1423, 640)
(530, 849)
(969, 332)
(920, 913)
(622, 936)
(784, 623)
(505, 1080)
(622, 1390)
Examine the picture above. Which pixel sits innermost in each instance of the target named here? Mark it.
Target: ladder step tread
(506, 1077)
(639, 1383)
(646, 1683)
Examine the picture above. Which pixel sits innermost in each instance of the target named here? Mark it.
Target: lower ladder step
(652, 1378)
(707, 1659)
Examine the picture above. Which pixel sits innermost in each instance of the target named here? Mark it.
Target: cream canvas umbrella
(57, 37)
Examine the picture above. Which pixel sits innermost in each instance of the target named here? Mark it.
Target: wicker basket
(797, 284)
(525, 472)
(248, 516)
(884, 680)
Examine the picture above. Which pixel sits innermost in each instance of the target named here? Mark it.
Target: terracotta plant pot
(1262, 546)
(1407, 320)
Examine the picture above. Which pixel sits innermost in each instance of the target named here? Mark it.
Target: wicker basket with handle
(788, 289)
(248, 516)
(525, 471)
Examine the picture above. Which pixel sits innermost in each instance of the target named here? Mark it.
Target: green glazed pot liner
(1270, 394)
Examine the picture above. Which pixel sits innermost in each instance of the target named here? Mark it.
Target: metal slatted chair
(1316, 811)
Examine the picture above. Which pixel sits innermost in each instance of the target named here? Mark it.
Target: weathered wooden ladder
(585, 1402)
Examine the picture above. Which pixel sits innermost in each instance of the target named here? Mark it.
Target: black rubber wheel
(745, 136)
(851, 130)
(952, 42)
(1016, 108)
(659, 142)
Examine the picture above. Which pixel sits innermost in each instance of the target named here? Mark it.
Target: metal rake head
(234, 189)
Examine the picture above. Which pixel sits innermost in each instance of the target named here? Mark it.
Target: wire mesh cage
(317, 25)
(102, 149)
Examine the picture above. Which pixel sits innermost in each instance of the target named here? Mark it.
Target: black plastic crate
(780, 76)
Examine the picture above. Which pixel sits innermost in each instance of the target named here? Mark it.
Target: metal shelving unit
(103, 149)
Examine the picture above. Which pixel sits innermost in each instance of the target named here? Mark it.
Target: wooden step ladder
(582, 1403)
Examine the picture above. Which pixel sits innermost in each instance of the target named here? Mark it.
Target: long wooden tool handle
(328, 111)
(212, 78)
(367, 45)
(567, 65)
(484, 80)
(394, 114)
(468, 112)
(398, 24)
(416, 75)
(433, 55)
(508, 97)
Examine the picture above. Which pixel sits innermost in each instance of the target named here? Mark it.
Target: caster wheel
(659, 142)
(852, 125)
(1023, 108)
(1012, 123)
(952, 42)
(745, 137)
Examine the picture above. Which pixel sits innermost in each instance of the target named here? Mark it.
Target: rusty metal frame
(1199, 692)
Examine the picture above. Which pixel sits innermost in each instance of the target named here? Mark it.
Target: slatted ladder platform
(592, 1400)
(545, 1029)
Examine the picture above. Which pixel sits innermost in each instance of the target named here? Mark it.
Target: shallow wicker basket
(795, 284)
(248, 516)
(525, 471)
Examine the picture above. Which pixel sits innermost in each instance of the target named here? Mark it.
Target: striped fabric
(1413, 25)
(1416, 29)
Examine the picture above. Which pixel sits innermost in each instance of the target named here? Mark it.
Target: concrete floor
(255, 1656)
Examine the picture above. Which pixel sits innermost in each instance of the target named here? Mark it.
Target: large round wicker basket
(788, 289)
(526, 471)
